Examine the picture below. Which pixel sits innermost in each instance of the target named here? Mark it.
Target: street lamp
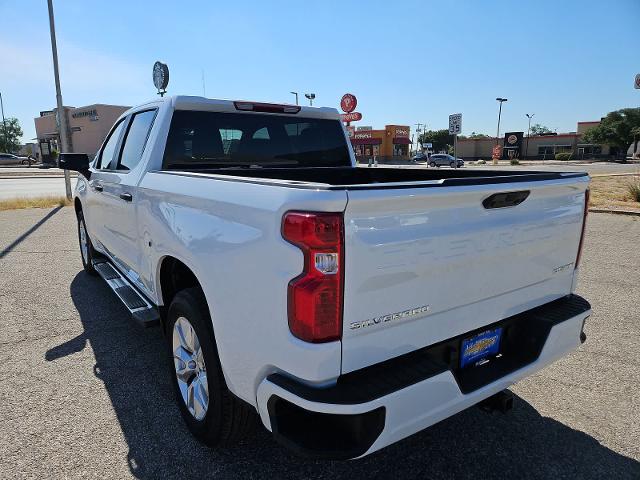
(64, 133)
(526, 151)
(296, 94)
(310, 96)
(499, 99)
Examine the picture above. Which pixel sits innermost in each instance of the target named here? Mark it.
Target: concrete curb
(12, 177)
(633, 213)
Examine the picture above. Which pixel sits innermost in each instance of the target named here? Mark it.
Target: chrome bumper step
(142, 311)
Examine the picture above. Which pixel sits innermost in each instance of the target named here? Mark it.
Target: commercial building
(536, 147)
(387, 144)
(88, 126)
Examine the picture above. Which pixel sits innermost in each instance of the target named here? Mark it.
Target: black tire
(452, 165)
(87, 263)
(228, 419)
(432, 164)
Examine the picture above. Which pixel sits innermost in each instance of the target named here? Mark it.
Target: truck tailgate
(425, 264)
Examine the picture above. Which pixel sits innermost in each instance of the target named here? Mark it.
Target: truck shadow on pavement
(134, 367)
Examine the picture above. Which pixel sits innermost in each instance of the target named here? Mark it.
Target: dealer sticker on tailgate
(480, 346)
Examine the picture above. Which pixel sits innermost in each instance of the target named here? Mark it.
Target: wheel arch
(172, 276)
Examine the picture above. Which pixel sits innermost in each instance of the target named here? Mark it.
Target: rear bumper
(379, 405)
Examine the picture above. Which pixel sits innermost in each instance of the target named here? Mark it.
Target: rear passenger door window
(136, 139)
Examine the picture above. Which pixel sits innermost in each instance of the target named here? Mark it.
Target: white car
(11, 159)
(345, 307)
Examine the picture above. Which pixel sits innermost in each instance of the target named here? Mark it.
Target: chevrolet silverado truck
(344, 307)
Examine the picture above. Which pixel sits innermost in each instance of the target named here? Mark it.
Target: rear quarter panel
(228, 234)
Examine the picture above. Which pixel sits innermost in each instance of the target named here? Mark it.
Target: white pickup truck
(349, 307)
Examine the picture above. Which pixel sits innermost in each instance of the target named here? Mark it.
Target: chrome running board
(142, 311)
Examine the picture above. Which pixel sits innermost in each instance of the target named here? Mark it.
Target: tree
(477, 135)
(10, 134)
(440, 139)
(538, 129)
(620, 129)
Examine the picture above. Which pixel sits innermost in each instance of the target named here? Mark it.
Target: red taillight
(584, 224)
(315, 296)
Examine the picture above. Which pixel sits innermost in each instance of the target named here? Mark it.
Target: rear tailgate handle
(506, 199)
(126, 196)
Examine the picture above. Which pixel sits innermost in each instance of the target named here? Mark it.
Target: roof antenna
(204, 91)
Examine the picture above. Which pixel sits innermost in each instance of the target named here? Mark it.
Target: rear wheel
(432, 164)
(86, 249)
(212, 413)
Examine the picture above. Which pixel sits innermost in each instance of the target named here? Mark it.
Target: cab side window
(136, 139)
(109, 155)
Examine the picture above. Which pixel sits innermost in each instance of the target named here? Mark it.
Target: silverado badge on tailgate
(412, 312)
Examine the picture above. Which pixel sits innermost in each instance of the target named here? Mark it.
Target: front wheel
(86, 249)
(212, 413)
(452, 165)
(432, 164)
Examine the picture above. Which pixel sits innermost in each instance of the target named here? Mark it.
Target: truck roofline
(189, 102)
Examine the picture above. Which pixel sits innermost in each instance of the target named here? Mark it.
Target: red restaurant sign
(351, 117)
(348, 103)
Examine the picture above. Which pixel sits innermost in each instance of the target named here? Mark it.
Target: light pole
(64, 133)
(499, 99)
(310, 96)
(296, 94)
(4, 124)
(526, 150)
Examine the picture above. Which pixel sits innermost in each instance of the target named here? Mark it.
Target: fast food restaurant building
(391, 142)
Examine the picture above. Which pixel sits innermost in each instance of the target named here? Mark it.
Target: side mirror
(77, 162)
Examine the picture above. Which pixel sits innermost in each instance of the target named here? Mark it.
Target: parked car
(420, 157)
(440, 159)
(345, 306)
(11, 159)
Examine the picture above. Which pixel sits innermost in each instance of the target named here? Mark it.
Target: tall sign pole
(64, 132)
(455, 127)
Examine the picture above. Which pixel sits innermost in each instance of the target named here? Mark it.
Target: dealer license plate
(480, 346)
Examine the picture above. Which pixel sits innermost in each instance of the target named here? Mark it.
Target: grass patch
(634, 190)
(615, 192)
(34, 202)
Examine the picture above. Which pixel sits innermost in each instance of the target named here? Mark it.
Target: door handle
(97, 187)
(126, 196)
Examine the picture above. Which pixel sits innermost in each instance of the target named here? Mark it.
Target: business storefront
(88, 126)
(516, 145)
(391, 143)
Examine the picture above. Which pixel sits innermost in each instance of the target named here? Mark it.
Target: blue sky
(406, 61)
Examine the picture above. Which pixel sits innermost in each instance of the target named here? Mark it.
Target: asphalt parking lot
(85, 393)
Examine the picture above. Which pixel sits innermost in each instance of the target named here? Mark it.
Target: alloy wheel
(191, 371)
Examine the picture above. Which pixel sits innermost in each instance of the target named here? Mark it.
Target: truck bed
(339, 178)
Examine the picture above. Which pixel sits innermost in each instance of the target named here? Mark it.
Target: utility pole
(64, 132)
(526, 151)
(418, 125)
(4, 124)
(296, 94)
